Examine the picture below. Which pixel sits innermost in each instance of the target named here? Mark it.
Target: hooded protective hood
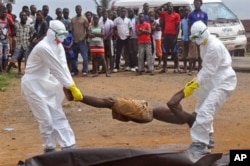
(199, 33)
(57, 31)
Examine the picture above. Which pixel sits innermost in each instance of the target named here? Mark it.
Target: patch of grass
(5, 80)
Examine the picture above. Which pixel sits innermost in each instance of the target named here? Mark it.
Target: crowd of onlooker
(104, 38)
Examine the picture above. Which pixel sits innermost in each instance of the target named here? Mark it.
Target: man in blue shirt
(197, 14)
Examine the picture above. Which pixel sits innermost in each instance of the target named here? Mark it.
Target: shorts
(192, 53)
(129, 109)
(97, 51)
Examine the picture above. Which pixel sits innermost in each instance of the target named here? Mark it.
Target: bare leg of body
(175, 106)
(163, 113)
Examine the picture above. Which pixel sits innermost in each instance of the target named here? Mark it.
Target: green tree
(103, 3)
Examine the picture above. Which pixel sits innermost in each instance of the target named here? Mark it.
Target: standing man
(96, 46)
(185, 38)
(107, 26)
(79, 30)
(67, 19)
(42, 85)
(11, 29)
(59, 14)
(41, 28)
(5, 22)
(170, 21)
(146, 12)
(197, 15)
(46, 15)
(99, 11)
(143, 30)
(215, 83)
(29, 19)
(89, 16)
(123, 31)
(23, 34)
(33, 12)
(9, 11)
(156, 35)
(133, 44)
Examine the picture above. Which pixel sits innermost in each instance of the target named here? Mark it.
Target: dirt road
(95, 128)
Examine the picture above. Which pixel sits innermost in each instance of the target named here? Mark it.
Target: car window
(218, 12)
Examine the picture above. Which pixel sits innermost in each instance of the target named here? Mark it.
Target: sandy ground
(95, 127)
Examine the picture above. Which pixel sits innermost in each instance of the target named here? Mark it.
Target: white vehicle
(222, 22)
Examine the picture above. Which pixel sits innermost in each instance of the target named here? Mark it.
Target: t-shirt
(3, 29)
(23, 33)
(157, 33)
(96, 41)
(184, 28)
(107, 27)
(48, 19)
(143, 38)
(133, 23)
(170, 22)
(146, 18)
(79, 25)
(10, 22)
(197, 16)
(68, 40)
(69, 52)
(123, 25)
(66, 23)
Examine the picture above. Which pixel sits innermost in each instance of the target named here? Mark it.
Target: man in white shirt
(123, 31)
(33, 13)
(107, 26)
(133, 44)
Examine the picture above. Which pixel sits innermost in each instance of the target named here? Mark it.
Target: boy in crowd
(185, 36)
(143, 30)
(96, 45)
(67, 44)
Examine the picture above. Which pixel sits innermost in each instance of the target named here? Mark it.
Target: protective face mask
(60, 35)
(198, 41)
(197, 37)
(60, 38)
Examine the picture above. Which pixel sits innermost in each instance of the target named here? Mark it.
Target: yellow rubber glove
(77, 94)
(190, 87)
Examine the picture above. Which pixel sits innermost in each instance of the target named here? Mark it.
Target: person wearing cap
(42, 85)
(214, 84)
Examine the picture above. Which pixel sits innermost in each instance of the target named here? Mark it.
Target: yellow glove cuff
(190, 87)
(76, 93)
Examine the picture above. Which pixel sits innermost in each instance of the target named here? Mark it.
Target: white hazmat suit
(216, 80)
(45, 74)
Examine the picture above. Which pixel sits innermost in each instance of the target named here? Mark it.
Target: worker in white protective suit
(214, 84)
(42, 85)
